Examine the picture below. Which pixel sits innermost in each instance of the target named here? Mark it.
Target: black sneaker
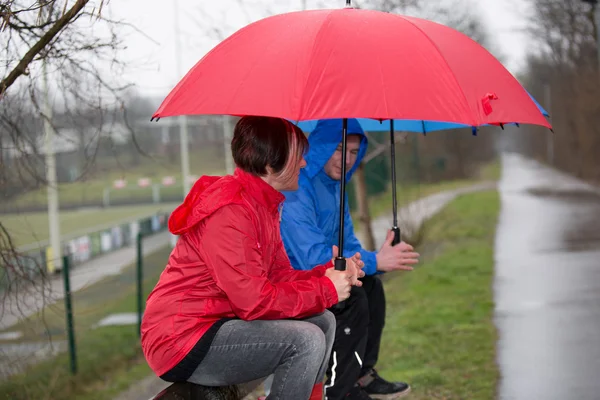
(357, 393)
(378, 388)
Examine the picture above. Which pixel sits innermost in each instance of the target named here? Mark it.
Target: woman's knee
(310, 340)
(329, 324)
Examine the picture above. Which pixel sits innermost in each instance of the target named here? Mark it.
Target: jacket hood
(324, 140)
(210, 193)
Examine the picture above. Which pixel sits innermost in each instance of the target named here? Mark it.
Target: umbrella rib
(385, 101)
(310, 64)
(474, 122)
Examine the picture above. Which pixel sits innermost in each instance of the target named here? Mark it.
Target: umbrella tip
(349, 3)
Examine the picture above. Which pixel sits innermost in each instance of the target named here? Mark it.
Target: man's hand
(398, 257)
(354, 266)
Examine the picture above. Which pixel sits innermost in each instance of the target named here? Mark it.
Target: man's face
(333, 168)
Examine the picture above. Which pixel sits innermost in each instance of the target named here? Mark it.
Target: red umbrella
(349, 63)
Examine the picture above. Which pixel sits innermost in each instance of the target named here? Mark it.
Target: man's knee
(355, 313)
(359, 302)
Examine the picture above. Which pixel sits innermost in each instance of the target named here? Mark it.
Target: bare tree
(78, 45)
(563, 71)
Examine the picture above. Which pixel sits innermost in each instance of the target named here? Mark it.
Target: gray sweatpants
(296, 352)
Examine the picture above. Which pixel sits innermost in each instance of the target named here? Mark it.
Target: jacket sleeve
(352, 244)
(282, 270)
(305, 242)
(230, 246)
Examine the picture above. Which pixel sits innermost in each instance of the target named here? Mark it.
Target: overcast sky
(153, 66)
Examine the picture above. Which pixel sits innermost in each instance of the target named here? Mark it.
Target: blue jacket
(310, 215)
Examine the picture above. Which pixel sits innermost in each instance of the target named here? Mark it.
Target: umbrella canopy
(347, 63)
(371, 125)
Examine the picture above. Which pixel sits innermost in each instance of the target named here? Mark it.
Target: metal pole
(343, 187)
(183, 131)
(140, 280)
(395, 228)
(51, 180)
(340, 260)
(69, 314)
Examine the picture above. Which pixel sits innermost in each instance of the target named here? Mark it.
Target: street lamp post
(183, 126)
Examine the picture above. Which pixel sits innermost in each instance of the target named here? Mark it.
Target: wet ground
(547, 286)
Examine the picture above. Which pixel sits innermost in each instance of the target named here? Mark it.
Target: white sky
(153, 65)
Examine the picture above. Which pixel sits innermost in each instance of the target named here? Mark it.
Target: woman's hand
(354, 266)
(342, 281)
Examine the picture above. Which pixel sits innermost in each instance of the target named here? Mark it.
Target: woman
(229, 308)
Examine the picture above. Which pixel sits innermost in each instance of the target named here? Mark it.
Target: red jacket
(229, 262)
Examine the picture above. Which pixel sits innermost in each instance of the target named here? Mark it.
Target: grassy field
(32, 228)
(439, 332)
(109, 358)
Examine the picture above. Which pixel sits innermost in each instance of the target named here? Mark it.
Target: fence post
(69, 314)
(140, 279)
(106, 197)
(156, 193)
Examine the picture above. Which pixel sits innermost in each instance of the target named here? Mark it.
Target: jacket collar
(264, 193)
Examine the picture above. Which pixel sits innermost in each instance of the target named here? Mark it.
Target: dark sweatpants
(357, 337)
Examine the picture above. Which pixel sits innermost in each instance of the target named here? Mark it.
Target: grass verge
(439, 333)
(109, 358)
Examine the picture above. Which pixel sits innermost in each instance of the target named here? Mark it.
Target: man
(309, 227)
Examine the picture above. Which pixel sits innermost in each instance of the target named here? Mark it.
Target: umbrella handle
(397, 236)
(340, 265)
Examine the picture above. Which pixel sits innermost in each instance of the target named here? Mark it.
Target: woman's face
(287, 179)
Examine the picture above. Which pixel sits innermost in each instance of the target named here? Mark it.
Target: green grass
(439, 333)
(32, 228)
(109, 358)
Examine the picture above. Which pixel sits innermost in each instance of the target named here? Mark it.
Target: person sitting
(229, 308)
(310, 225)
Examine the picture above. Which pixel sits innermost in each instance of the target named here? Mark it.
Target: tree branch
(59, 25)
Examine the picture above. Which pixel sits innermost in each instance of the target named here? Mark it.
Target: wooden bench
(190, 391)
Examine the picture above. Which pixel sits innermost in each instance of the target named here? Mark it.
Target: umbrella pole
(340, 260)
(395, 228)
